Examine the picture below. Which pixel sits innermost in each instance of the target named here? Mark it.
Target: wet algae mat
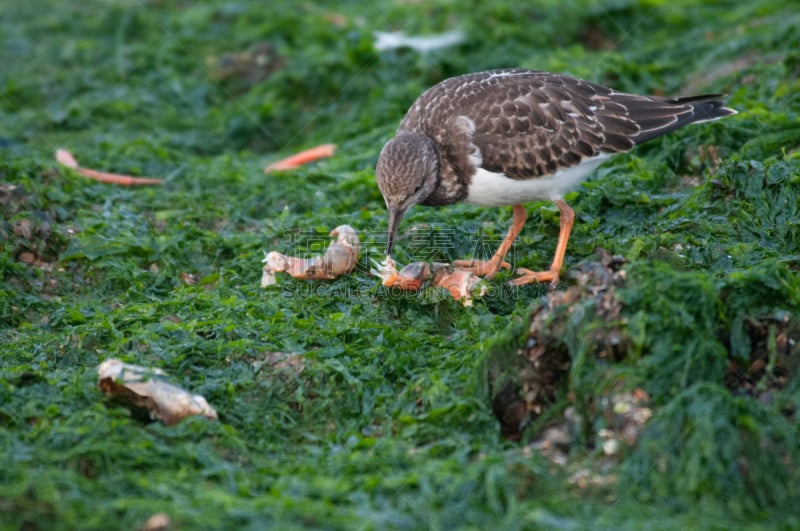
(344, 405)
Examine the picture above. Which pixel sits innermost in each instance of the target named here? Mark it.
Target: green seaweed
(388, 425)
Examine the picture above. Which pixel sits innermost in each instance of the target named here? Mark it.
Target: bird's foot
(527, 277)
(482, 268)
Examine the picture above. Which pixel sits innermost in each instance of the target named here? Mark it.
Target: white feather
(495, 189)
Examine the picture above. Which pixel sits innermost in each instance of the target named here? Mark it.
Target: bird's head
(407, 174)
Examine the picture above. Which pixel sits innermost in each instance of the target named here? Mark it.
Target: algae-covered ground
(344, 405)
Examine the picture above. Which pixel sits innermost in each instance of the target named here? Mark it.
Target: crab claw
(274, 262)
(386, 271)
(346, 235)
(409, 278)
(462, 284)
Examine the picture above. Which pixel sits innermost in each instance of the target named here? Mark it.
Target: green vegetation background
(386, 426)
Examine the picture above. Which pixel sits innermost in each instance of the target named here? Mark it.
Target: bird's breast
(495, 189)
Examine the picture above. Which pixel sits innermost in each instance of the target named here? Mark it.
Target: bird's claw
(482, 268)
(527, 277)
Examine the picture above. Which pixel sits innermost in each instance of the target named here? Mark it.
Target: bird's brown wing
(528, 123)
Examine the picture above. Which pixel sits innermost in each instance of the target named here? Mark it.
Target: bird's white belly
(495, 189)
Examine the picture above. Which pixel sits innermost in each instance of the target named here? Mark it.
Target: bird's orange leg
(567, 217)
(489, 268)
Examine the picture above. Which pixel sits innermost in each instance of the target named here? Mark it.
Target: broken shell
(346, 235)
(145, 387)
(409, 278)
(413, 275)
(340, 258)
(459, 282)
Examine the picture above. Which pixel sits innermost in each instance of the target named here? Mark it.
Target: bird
(511, 136)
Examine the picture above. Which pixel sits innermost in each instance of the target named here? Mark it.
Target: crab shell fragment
(410, 278)
(146, 388)
(461, 283)
(340, 258)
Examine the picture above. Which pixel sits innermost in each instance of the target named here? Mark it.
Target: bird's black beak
(395, 215)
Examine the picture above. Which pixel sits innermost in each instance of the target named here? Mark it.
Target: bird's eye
(417, 189)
